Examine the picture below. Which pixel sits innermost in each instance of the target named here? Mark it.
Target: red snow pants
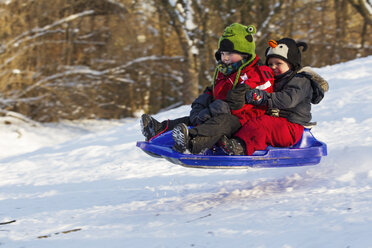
(266, 130)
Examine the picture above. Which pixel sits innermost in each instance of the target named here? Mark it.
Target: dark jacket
(294, 93)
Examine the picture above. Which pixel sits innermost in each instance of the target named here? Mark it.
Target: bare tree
(181, 19)
(364, 7)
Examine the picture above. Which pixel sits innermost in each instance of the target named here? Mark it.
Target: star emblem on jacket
(244, 77)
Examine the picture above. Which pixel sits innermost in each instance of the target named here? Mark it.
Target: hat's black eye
(280, 46)
(250, 29)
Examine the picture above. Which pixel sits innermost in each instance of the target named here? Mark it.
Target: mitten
(199, 109)
(219, 107)
(256, 97)
(236, 97)
(201, 117)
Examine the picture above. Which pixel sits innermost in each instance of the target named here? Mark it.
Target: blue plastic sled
(308, 151)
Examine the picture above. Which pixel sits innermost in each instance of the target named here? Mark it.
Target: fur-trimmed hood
(319, 84)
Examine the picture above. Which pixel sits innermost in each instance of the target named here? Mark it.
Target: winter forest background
(79, 59)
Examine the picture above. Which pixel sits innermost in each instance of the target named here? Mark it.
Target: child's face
(278, 66)
(230, 58)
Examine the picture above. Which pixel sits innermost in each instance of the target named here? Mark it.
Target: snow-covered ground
(86, 184)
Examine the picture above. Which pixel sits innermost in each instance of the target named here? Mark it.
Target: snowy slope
(86, 184)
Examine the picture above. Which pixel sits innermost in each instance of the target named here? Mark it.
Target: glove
(278, 112)
(256, 97)
(219, 107)
(201, 117)
(236, 97)
(199, 109)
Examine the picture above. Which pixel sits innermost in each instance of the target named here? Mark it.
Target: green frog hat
(238, 38)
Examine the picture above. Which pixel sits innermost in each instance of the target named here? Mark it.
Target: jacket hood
(319, 84)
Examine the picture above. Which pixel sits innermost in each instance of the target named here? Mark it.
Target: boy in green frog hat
(221, 109)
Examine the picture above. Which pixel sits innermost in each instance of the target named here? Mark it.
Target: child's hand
(236, 97)
(219, 107)
(256, 97)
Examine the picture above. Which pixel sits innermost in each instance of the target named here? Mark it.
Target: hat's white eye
(250, 29)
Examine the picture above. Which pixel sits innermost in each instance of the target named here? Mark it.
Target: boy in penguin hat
(289, 106)
(221, 109)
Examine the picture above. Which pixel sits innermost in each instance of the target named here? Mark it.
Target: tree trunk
(364, 9)
(190, 79)
(189, 72)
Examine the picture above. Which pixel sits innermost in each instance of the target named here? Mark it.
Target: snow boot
(181, 138)
(185, 143)
(232, 146)
(150, 127)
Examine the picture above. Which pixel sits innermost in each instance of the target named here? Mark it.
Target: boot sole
(145, 120)
(180, 136)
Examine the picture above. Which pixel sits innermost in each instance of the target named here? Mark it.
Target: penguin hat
(286, 49)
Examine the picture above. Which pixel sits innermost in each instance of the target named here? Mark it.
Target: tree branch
(37, 32)
(364, 8)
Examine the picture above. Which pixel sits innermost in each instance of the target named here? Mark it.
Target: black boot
(150, 127)
(232, 146)
(181, 138)
(184, 143)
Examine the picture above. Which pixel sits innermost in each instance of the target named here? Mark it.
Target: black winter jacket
(294, 93)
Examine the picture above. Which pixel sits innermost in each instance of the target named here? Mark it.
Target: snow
(86, 184)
